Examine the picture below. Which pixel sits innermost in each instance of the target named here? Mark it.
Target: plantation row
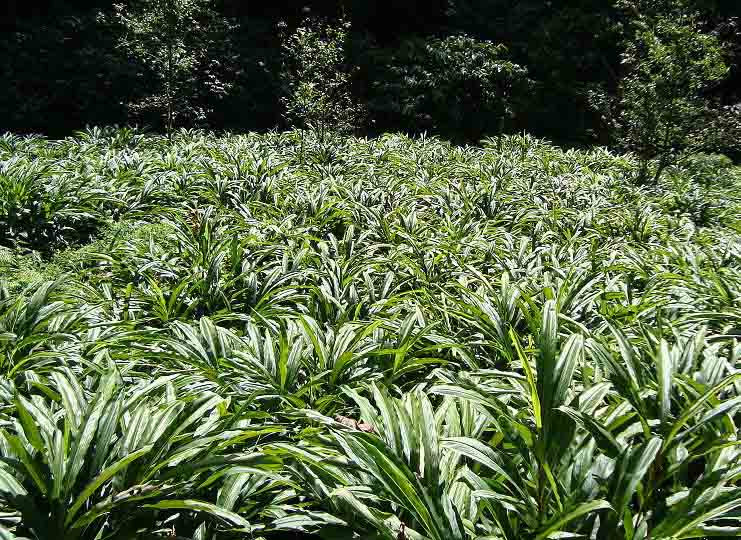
(290, 336)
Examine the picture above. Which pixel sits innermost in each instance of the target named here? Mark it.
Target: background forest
(459, 68)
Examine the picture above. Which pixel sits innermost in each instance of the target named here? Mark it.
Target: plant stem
(170, 38)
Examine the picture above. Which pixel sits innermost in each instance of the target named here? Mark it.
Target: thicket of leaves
(184, 45)
(457, 85)
(393, 338)
(452, 67)
(664, 109)
(316, 79)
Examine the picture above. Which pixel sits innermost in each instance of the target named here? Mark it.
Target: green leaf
(634, 464)
(83, 438)
(201, 506)
(696, 407)
(665, 373)
(9, 485)
(30, 466)
(605, 440)
(571, 355)
(559, 521)
(530, 379)
(30, 429)
(480, 453)
(105, 475)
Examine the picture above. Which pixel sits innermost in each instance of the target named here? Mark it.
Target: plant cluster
(41, 211)
(395, 338)
(316, 78)
(565, 69)
(664, 109)
(458, 84)
(176, 41)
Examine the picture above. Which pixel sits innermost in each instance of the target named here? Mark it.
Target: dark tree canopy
(63, 69)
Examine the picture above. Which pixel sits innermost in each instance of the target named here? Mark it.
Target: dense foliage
(665, 113)
(174, 40)
(458, 85)
(316, 77)
(393, 338)
(438, 66)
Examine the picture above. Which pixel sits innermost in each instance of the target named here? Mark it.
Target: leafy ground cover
(262, 336)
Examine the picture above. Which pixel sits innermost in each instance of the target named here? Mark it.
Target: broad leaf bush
(455, 85)
(664, 108)
(41, 210)
(316, 78)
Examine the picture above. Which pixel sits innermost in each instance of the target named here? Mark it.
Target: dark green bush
(316, 79)
(42, 212)
(456, 85)
(711, 170)
(665, 110)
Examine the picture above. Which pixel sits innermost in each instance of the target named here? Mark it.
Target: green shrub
(316, 79)
(457, 85)
(176, 41)
(665, 112)
(711, 170)
(42, 211)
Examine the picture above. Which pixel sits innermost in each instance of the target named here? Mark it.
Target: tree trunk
(663, 163)
(169, 91)
(642, 171)
(170, 38)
